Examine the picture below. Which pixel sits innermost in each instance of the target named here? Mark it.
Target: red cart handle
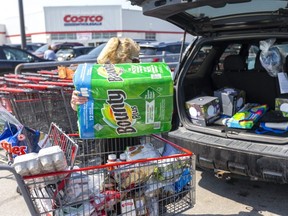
(39, 86)
(14, 90)
(57, 83)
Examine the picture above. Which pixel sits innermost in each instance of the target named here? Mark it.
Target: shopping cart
(27, 105)
(163, 185)
(55, 137)
(37, 105)
(39, 98)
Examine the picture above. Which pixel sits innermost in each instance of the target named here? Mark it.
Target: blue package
(184, 179)
(18, 141)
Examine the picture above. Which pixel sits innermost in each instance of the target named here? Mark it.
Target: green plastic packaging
(124, 100)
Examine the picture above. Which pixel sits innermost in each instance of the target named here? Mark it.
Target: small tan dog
(116, 51)
(119, 50)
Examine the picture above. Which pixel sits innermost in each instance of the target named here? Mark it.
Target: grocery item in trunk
(247, 116)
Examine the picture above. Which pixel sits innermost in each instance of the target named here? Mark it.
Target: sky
(11, 9)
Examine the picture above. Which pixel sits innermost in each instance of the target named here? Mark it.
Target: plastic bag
(271, 57)
(6, 116)
(19, 140)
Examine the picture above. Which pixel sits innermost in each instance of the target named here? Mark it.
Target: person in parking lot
(49, 54)
(117, 50)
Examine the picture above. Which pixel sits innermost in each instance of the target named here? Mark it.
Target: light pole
(22, 24)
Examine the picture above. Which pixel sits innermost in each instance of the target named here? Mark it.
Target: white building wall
(136, 21)
(2, 34)
(54, 18)
(123, 22)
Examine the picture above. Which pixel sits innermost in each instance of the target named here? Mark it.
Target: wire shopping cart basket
(47, 162)
(36, 105)
(162, 182)
(27, 105)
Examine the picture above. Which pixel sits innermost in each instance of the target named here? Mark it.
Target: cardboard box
(231, 100)
(124, 100)
(281, 104)
(203, 110)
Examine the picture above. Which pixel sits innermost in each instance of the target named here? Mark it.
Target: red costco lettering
(16, 150)
(80, 19)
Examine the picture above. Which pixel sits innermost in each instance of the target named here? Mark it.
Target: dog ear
(119, 50)
(111, 47)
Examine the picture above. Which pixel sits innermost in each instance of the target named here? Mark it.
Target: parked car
(40, 51)
(170, 51)
(149, 52)
(30, 47)
(93, 54)
(66, 54)
(10, 57)
(228, 33)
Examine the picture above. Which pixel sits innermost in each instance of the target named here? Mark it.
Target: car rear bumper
(256, 161)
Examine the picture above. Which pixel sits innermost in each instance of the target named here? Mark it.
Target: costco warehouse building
(90, 25)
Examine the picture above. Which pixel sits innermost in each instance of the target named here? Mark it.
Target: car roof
(93, 54)
(211, 17)
(160, 44)
(77, 47)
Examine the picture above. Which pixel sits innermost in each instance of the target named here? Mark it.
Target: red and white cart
(163, 185)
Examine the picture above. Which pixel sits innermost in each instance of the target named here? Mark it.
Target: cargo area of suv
(234, 65)
(234, 138)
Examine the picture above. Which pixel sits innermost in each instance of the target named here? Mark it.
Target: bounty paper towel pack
(124, 99)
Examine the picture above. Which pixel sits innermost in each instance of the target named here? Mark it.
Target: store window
(73, 36)
(109, 35)
(106, 35)
(96, 35)
(150, 36)
(63, 36)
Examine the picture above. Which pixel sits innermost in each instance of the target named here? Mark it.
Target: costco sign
(74, 20)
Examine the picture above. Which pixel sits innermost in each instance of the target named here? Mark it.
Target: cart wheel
(18, 190)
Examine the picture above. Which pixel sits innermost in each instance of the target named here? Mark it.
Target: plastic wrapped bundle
(270, 57)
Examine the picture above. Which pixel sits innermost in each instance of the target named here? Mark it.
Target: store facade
(90, 25)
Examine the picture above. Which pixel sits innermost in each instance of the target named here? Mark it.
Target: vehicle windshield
(65, 51)
(97, 50)
(15, 54)
(42, 48)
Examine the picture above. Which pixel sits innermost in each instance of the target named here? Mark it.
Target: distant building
(2, 34)
(90, 25)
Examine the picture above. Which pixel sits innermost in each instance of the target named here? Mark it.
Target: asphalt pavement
(214, 197)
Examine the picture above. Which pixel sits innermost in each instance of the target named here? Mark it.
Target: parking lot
(214, 197)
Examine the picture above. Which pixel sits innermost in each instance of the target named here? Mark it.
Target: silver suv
(231, 90)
